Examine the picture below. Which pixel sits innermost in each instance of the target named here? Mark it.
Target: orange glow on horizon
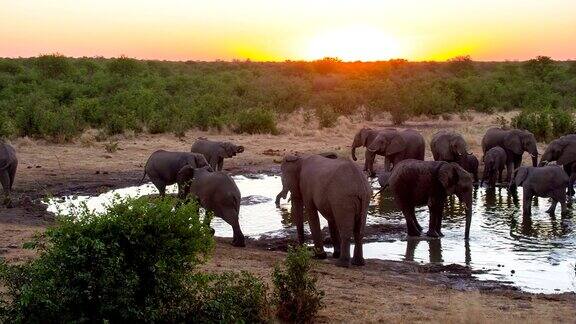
(271, 30)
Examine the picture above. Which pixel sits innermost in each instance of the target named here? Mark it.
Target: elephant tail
(360, 219)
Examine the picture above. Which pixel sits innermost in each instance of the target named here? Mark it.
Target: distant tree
(461, 65)
(327, 65)
(572, 68)
(541, 67)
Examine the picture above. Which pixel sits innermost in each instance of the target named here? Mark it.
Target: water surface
(534, 253)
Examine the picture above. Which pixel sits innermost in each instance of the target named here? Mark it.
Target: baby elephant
(548, 181)
(216, 152)
(162, 167)
(215, 191)
(494, 164)
(8, 165)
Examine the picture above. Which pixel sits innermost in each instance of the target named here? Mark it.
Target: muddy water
(537, 254)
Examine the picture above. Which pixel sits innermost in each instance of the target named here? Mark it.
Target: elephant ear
(512, 142)
(185, 174)
(364, 132)
(568, 154)
(448, 177)
(396, 145)
(520, 175)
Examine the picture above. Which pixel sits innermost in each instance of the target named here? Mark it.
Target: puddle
(535, 254)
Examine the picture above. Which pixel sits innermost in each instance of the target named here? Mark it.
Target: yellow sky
(296, 29)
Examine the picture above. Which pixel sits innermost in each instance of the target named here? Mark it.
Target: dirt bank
(383, 290)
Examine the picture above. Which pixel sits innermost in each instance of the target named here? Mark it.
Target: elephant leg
(345, 221)
(369, 164)
(161, 186)
(220, 164)
(5, 180)
(358, 259)
(230, 216)
(572, 180)
(387, 163)
(12, 174)
(500, 176)
(314, 223)
(298, 218)
(335, 237)
(509, 170)
(527, 203)
(411, 222)
(435, 222)
(552, 208)
(410, 249)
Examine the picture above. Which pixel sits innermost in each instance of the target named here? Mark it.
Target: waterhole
(536, 253)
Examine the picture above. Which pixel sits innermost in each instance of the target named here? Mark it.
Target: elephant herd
(336, 187)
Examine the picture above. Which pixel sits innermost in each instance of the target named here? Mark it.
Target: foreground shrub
(546, 124)
(295, 293)
(228, 298)
(256, 121)
(129, 264)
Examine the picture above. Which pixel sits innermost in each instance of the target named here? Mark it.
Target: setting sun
(353, 44)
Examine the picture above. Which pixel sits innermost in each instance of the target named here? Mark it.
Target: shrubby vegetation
(136, 262)
(295, 292)
(56, 97)
(546, 124)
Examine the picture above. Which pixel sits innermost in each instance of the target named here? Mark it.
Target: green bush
(546, 124)
(122, 94)
(327, 118)
(256, 121)
(295, 293)
(129, 264)
(228, 298)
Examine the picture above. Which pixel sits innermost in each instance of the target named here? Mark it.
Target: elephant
(216, 152)
(563, 151)
(515, 142)
(163, 166)
(8, 166)
(547, 181)
(448, 146)
(337, 189)
(364, 137)
(396, 146)
(416, 183)
(494, 163)
(215, 191)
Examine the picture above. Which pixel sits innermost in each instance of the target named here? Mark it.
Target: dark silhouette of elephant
(364, 138)
(396, 146)
(547, 181)
(417, 183)
(494, 164)
(216, 152)
(515, 142)
(8, 166)
(337, 189)
(215, 191)
(163, 166)
(563, 151)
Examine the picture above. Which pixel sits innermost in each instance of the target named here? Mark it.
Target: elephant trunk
(534, 160)
(468, 222)
(353, 151)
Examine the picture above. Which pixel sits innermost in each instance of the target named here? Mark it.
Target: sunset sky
(298, 29)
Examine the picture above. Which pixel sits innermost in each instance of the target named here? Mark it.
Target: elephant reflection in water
(495, 197)
(434, 250)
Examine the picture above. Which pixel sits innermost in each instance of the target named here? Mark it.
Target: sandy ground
(381, 291)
